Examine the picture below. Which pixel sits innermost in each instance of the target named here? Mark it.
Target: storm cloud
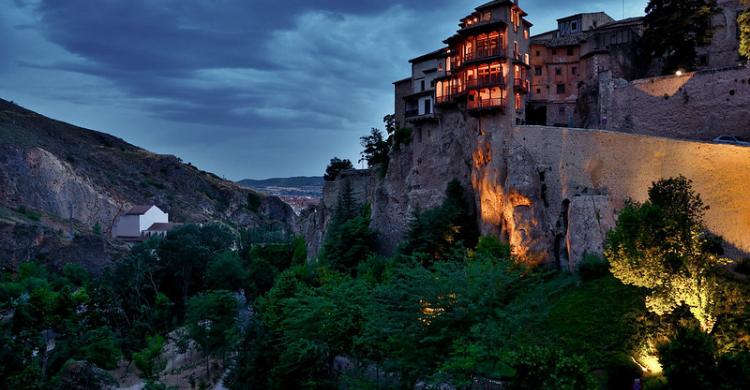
(253, 88)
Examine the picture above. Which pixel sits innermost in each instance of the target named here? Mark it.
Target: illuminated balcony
(486, 104)
(491, 80)
(484, 53)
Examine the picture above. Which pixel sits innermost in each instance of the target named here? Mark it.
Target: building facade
(483, 69)
(137, 220)
(566, 64)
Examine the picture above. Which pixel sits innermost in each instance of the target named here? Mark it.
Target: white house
(160, 229)
(134, 222)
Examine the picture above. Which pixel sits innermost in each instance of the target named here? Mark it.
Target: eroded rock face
(38, 179)
(590, 217)
(314, 220)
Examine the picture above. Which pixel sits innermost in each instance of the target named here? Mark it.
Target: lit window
(519, 102)
(526, 33)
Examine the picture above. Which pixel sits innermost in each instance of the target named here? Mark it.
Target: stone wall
(556, 191)
(701, 105)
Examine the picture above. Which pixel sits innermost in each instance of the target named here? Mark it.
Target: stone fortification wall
(701, 105)
(556, 191)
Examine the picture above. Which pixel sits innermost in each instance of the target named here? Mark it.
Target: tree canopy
(673, 30)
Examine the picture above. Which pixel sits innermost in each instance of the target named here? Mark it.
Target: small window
(570, 51)
(422, 85)
(440, 67)
(574, 71)
(573, 26)
(538, 53)
(560, 88)
(538, 71)
(554, 52)
(526, 33)
(538, 91)
(558, 71)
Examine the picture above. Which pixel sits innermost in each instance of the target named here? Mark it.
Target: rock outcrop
(60, 181)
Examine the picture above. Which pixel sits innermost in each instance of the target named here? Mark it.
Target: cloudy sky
(243, 88)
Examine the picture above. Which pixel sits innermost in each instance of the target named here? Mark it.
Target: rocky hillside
(50, 170)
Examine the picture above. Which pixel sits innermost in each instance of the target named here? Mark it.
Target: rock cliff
(51, 171)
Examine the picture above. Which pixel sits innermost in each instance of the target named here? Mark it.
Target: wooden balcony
(492, 80)
(484, 53)
(486, 104)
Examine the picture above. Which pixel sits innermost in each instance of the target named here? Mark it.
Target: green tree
(100, 346)
(184, 256)
(226, 272)
(211, 321)
(149, 360)
(335, 167)
(436, 233)
(349, 239)
(376, 150)
(660, 245)
(673, 30)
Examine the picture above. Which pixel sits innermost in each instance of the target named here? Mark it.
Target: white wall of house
(127, 226)
(152, 216)
(134, 225)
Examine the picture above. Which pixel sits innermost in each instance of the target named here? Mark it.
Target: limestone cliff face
(553, 193)
(314, 220)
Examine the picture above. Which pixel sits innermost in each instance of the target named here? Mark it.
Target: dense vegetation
(673, 30)
(193, 280)
(449, 308)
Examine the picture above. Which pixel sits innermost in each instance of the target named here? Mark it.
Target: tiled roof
(138, 210)
(163, 227)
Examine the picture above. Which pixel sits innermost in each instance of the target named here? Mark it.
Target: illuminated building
(483, 69)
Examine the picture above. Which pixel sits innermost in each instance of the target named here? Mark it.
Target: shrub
(689, 360)
(593, 267)
(335, 167)
(544, 368)
(402, 136)
(491, 246)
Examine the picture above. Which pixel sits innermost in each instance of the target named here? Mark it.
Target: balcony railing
(491, 80)
(486, 51)
(411, 113)
(481, 104)
(521, 85)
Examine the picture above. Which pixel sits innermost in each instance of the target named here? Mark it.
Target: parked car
(732, 140)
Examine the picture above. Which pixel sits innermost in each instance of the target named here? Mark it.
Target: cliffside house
(134, 223)
(567, 64)
(483, 69)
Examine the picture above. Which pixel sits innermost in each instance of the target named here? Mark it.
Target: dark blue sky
(243, 88)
